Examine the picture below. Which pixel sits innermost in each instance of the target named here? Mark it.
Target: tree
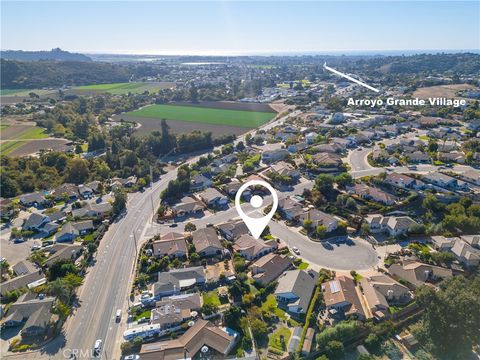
(321, 231)
(61, 268)
(451, 316)
(78, 171)
(259, 329)
(307, 224)
(365, 229)
(335, 350)
(208, 309)
(190, 227)
(324, 183)
(120, 202)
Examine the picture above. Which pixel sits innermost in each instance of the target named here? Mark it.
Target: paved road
(107, 285)
(359, 255)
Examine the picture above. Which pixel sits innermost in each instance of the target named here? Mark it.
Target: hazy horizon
(241, 28)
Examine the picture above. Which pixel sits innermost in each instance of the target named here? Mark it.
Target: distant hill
(54, 54)
(48, 73)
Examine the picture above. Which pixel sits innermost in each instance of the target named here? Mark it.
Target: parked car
(132, 357)
(295, 250)
(118, 315)
(36, 247)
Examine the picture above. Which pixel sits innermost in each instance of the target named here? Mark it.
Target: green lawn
(145, 313)
(303, 266)
(125, 88)
(274, 339)
(211, 298)
(271, 305)
(240, 118)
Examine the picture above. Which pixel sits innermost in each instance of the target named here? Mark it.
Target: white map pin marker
(256, 225)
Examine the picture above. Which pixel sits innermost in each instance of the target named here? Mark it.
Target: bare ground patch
(229, 105)
(12, 131)
(34, 146)
(147, 125)
(447, 91)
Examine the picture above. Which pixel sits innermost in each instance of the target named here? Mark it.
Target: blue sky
(239, 27)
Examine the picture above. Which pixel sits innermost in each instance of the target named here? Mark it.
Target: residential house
(328, 160)
(212, 197)
(202, 337)
(456, 156)
(172, 245)
(172, 311)
(465, 253)
(69, 191)
(34, 314)
(285, 169)
(328, 148)
(418, 157)
(441, 180)
(250, 248)
(188, 206)
(175, 281)
(472, 176)
(72, 230)
(85, 191)
(381, 291)
(295, 290)
(24, 267)
(269, 267)
(417, 273)
(393, 225)
(441, 243)
(21, 281)
(62, 252)
(206, 242)
(35, 221)
(473, 240)
(341, 298)
(232, 188)
(290, 209)
(232, 229)
(370, 193)
(33, 199)
(101, 210)
(200, 182)
(271, 156)
(404, 181)
(319, 218)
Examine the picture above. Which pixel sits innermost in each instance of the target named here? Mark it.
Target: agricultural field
(22, 140)
(447, 91)
(123, 88)
(220, 118)
(25, 92)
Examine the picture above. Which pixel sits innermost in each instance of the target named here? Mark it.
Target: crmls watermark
(78, 353)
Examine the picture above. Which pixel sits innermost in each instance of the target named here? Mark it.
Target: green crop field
(240, 118)
(24, 92)
(7, 147)
(32, 133)
(125, 88)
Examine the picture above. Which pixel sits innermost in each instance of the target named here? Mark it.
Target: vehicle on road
(209, 225)
(295, 250)
(18, 240)
(132, 357)
(36, 247)
(412, 167)
(118, 315)
(97, 349)
(173, 225)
